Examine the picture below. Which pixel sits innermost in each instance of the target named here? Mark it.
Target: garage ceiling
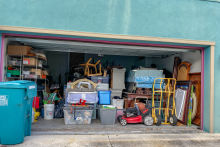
(96, 48)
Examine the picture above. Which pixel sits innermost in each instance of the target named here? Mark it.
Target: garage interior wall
(58, 65)
(127, 61)
(192, 57)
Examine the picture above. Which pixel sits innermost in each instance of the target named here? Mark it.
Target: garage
(56, 64)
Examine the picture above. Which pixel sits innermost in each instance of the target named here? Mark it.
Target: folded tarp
(145, 78)
(144, 75)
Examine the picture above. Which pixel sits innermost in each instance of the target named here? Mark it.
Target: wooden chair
(88, 68)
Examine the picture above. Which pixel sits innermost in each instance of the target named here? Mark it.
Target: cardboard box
(18, 50)
(37, 71)
(29, 61)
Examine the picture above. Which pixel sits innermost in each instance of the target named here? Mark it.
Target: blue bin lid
(104, 92)
(18, 84)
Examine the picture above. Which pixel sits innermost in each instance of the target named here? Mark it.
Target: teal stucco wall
(207, 90)
(185, 19)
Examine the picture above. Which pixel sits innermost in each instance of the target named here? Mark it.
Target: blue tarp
(144, 75)
(145, 78)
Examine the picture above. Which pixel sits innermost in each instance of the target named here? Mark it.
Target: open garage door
(60, 53)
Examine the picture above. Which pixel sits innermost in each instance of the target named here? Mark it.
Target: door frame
(122, 39)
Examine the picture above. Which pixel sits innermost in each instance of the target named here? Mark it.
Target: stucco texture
(185, 19)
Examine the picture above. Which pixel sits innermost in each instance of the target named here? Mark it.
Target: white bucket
(48, 111)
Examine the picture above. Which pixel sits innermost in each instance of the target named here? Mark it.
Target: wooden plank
(212, 57)
(100, 35)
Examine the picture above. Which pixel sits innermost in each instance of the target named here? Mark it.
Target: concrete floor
(123, 140)
(57, 127)
(53, 133)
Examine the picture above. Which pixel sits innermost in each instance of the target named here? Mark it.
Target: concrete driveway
(123, 140)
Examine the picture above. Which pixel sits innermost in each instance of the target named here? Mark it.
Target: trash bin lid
(18, 84)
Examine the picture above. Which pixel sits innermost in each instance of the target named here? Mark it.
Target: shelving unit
(18, 78)
(21, 66)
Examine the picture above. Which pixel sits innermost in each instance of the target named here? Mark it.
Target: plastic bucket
(48, 111)
(118, 103)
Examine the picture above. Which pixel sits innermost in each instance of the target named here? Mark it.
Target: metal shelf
(26, 56)
(22, 66)
(26, 78)
(27, 66)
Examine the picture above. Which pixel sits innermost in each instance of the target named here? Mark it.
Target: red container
(36, 102)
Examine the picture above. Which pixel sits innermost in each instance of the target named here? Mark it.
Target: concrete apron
(124, 140)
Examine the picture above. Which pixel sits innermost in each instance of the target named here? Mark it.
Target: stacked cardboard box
(31, 61)
(18, 50)
(36, 71)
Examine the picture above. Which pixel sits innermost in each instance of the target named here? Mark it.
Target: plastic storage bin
(107, 115)
(16, 98)
(100, 79)
(118, 103)
(102, 87)
(74, 97)
(104, 97)
(14, 72)
(77, 115)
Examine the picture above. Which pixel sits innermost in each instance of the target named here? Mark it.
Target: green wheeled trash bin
(16, 98)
